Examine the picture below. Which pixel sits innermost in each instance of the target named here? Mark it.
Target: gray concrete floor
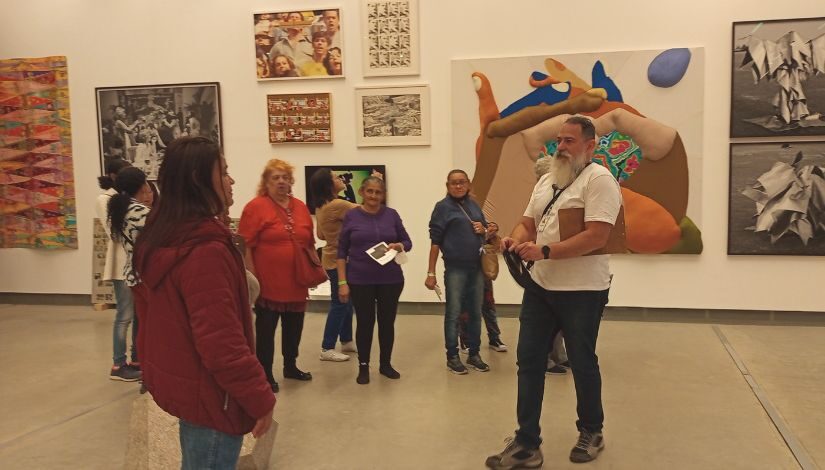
(673, 399)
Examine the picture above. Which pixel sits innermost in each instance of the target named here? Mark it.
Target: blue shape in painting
(601, 80)
(546, 94)
(668, 68)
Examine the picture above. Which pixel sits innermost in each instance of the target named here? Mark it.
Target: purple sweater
(360, 231)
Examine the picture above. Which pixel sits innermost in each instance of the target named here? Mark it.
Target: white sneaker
(349, 346)
(333, 355)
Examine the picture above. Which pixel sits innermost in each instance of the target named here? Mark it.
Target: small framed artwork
(389, 37)
(136, 123)
(392, 116)
(778, 78)
(295, 44)
(299, 118)
(351, 175)
(776, 204)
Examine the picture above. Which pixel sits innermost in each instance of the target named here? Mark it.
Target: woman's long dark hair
(321, 187)
(187, 192)
(112, 167)
(128, 182)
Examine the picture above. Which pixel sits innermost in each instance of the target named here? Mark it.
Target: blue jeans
(464, 287)
(578, 314)
(339, 318)
(123, 317)
(207, 449)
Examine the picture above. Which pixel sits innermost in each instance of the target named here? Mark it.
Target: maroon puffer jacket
(195, 339)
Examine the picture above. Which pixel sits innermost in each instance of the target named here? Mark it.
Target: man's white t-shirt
(597, 191)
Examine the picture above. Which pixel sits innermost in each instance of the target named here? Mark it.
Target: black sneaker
(387, 371)
(587, 447)
(476, 363)
(125, 373)
(565, 364)
(556, 370)
(455, 366)
(515, 456)
(497, 345)
(363, 374)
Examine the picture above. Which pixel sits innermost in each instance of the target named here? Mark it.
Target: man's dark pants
(543, 313)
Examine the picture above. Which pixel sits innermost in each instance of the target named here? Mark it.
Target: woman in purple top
(374, 288)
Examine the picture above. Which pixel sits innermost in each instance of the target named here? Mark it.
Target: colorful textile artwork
(37, 202)
(615, 151)
(642, 104)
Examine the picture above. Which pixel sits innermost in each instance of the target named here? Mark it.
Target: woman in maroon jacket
(197, 343)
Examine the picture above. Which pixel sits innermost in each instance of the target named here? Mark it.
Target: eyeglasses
(458, 183)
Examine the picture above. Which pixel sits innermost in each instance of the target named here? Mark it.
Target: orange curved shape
(487, 107)
(649, 227)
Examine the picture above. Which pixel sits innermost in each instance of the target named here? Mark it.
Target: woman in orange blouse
(268, 225)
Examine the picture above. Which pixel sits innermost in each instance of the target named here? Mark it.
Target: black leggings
(292, 325)
(371, 301)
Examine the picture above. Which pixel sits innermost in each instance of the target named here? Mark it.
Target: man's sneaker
(134, 366)
(556, 370)
(455, 366)
(349, 346)
(476, 363)
(587, 447)
(333, 355)
(497, 345)
(514, 456)
(125, 373)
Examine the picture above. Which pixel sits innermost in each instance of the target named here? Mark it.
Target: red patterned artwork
(37, 203)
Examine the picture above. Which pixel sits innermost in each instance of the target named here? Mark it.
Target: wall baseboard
(673, 315)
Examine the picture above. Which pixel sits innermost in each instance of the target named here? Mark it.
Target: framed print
(351, 175)
(389, 37)
(392, 116)
(292, 44)
(777, 199)
(778, 78)
(136, 123)
(299, 118)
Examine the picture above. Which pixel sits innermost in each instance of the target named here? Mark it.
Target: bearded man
(570, 293)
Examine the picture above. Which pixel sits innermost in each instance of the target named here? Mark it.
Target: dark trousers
(375, 301)
(488, 314)
(292, 325)
(543, 314)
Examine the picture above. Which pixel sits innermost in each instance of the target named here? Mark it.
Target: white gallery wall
(180, 41)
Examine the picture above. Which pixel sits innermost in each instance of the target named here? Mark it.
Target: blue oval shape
(668, 68)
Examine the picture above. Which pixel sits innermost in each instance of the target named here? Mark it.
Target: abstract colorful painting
(37, 202)
(647, 107)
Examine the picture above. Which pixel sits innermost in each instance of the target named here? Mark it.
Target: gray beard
(563, 172)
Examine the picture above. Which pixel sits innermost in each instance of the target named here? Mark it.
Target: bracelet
(430, 274)
(342, 283)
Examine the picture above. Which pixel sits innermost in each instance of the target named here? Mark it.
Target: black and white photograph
(778, 78)
(390, 38)
(299, 44)
(391, 116)
(136, 123)
(777, 199)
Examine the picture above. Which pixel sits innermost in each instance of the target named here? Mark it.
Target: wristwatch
(545, 250)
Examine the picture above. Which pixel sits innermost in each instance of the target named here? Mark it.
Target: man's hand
(492, 228)
(478, 227)
(430, 282)
(529, 251)
(263, 424)
(343, 293)
(507, 243)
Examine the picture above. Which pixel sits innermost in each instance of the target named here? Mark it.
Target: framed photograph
(351, 175)
(389, 37)
(299, 118)
(292, 44)
(136, 123)
(778, 78)
(777, 199)
(392, 116)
